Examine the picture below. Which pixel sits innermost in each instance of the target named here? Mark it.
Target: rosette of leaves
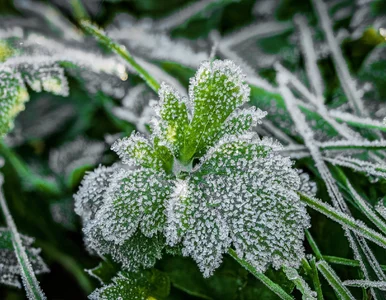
(201, 184)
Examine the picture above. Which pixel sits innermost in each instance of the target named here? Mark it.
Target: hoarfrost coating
(202, 183)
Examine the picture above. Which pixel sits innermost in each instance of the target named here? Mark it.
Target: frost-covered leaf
(174, 122)
(134, 199)
(89, 198)
(45, 77)
(144, 285)
(191, 126)
(133, 254)
(10, 268)
(137, 151)
(217, 89)
(239, 194)
(13, 95)
(113, 203)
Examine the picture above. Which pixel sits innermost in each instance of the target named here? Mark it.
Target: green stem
(347, 221)
(122, 51)
(306, 266)
(313, 245)
(31, 284)
(345, 261)
(277, 289)
(25, 173)
(315, 279)
(79, 10)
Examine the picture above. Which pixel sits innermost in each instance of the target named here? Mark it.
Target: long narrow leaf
(345, 220)
(30, 282)
(264, 279)
(328, 273)
(122, 51)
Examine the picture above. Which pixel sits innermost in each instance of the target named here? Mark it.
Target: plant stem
(345, 261)
(122, 51)
(31, 284)
(79, 10)
(25, 173)
(313, 245)
(277, 289)
(315, 279)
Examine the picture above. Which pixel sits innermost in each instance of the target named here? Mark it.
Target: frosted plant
(9, 266)
(202, 183)
(39, 77)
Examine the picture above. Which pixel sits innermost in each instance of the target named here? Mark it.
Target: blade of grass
(366, 284)
(345, 261)
(345, 220)
(347, 82)
(30, 282)
(352, 145)
(300, 283)
(315, 279)
(369, 265)
(363, 205)
(121, 50)
(328, 273)
(264, 279)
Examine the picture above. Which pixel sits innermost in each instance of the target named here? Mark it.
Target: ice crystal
(203, 182)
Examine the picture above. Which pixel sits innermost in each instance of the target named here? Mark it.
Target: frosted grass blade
(30, 282)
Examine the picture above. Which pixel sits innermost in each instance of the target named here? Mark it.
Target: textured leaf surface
(144, 285)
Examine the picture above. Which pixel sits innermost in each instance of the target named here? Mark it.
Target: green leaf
(144, 285)
(135, 198)
(174, 118)
(13, 95)
(104, 272)
(137, 151)
(217, 89)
